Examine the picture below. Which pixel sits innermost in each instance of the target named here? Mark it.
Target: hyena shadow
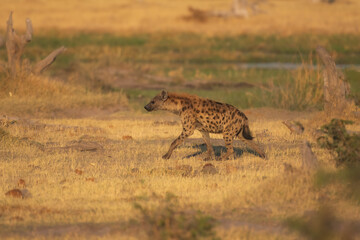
(238, 152)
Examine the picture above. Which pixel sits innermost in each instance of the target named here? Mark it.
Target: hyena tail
(246, 138)
(246, 132)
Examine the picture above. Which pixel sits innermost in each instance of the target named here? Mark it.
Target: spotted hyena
(207, 116)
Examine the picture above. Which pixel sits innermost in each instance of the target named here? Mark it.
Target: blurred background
(245, 52)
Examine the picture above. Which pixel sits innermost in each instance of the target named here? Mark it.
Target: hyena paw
(224, 158)
(209, 157)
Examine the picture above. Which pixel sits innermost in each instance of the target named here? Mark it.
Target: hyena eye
(152, 102)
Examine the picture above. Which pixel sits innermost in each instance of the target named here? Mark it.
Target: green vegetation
(168, 222)
(193, 63)
(321, 225)
(344, 145)
(348, 178)
(197, 49)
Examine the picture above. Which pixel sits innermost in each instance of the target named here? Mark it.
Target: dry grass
(249, 196)
(42, 96)
(126, 16)
(302, 91)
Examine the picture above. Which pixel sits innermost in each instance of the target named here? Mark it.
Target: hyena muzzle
(206, 116)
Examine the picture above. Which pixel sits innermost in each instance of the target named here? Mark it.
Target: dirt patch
(86, 112)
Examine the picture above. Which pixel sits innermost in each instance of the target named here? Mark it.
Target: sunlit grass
(249, 192)
(30, 95)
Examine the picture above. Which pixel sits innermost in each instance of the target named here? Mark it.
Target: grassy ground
(90, 156)
(249, 196)
(194, 48)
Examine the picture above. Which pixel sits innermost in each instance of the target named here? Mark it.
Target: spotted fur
(207, 116)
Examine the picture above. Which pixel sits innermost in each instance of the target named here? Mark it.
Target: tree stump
(15, 45)
(335, 87)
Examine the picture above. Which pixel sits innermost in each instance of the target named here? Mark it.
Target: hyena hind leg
(228, 138)
(210, 151)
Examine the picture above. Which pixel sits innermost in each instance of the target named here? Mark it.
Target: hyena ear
(164, 95)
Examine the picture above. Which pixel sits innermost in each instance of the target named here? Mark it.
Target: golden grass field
(129, 16)
(250, 197)
(87, 158)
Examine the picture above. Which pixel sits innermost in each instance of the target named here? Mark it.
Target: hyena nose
(147, 108)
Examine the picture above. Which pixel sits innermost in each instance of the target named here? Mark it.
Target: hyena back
(207, 116)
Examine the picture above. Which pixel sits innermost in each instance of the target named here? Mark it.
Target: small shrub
(167, 221)
(347, 178)
(340, 142)
(320, 225)
(42, 96)
(3, 134)
(6, 138)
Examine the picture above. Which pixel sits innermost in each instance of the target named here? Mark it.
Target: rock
(16, 219)
(15, 193)
(21, 183)
(230, 169)
(85, 146)
(185, 170)
(209, 169)
(309, 160)
(127, 137)
(294, 127)
(288, 168)
(26, 193)
(78, 171)
(90, 179)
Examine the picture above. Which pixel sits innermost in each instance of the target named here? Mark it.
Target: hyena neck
(173, 105)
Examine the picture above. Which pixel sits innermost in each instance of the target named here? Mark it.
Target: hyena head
(157, 102)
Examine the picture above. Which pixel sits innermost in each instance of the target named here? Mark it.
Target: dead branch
(15, 45)
(239, 8)
(309, 160)
(2, 41)
(294, 127)
(2, 67)
(46, 62)
(198, 14)
(29, 31)
(11, 45)
(336, 88)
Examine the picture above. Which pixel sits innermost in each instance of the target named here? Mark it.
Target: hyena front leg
(185, 133)
(228, 138)
(188, 122)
